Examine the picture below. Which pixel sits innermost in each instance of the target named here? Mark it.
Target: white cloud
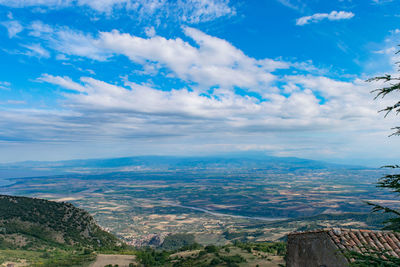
(76, 43)
(191, 11)
(28, 3)
(13, 27)
(94, 111)
(381, 1)
(296, 5)
(138, 99)
(38, 29)
(36, 50)
(307, 105)
(213, 62)
(395, 31)
(65, 82)
(347, 104)
(106, 5)
(70, 42)
(334, 15)
(312, 101)
(150, 31)
(195, 11)
(61, 57)
(16, 102)
(386, 58)
(5, 85)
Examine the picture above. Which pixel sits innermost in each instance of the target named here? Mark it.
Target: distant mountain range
(163, 163)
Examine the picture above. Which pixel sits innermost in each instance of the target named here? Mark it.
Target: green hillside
(51, 221)
(37, 232)
(48, 233)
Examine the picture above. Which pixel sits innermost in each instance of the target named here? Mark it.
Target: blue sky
(89, 79)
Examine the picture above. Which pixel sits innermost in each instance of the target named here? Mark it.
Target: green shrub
(177, 241)
(215, 261)
(211, 249)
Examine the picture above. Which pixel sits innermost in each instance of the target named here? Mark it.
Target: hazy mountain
(163, 163)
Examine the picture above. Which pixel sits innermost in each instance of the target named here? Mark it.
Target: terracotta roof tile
(362, 240)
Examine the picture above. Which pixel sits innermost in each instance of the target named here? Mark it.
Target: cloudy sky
(108, 78)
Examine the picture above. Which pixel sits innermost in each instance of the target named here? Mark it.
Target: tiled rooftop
(360, 240)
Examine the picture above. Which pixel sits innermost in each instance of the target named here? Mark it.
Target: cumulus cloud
(300, 110)
(94, 113)
(291, 102)
(139, 99)
(280, 98)
(334, 15)
(213, 62)
(190, 11)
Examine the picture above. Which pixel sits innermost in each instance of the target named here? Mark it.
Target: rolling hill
(48, 233)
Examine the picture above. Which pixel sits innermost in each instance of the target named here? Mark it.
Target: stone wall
(313, 250)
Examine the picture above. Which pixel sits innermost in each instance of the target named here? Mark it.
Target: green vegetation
(138, 206)
(274, 248)
(374, 257)
(52, 222)
(48, 257)
(38, 231)
(390, 181)
(211, 255)
(242, 235)
(151, 257)
(47, 233)
(176, 241)
(211, 249)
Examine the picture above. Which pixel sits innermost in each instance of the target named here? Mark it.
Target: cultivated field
(215, 206)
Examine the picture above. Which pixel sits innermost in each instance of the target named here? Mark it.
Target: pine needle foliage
(389, 181)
